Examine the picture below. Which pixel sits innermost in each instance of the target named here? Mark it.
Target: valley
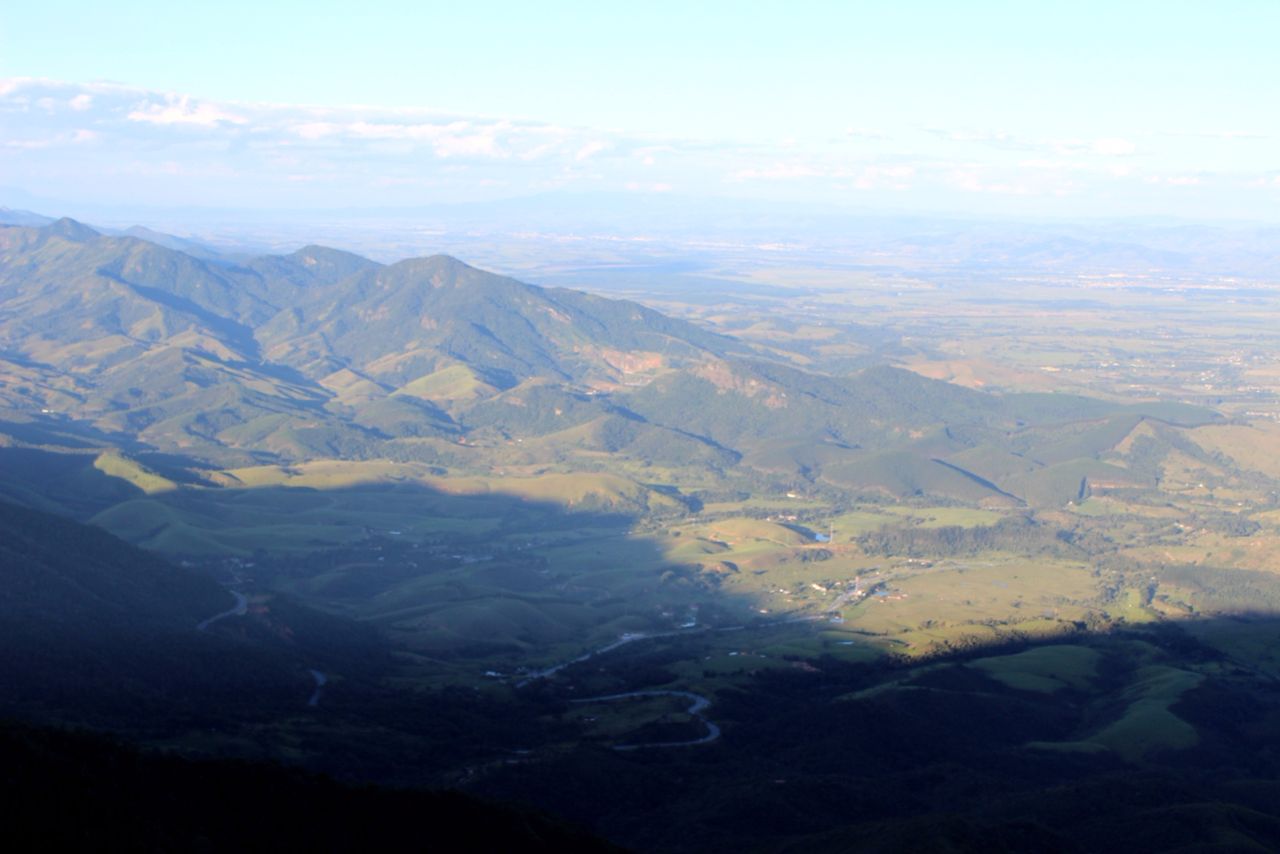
(843, 542)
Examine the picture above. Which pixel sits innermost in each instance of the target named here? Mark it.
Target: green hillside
(902, 474)
(325, 355)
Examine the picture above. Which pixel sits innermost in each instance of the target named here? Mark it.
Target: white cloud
(975, 180)
(479, 144)
(1076, 165)
(643, 187)
(1053, 165)
(648, 154)
(895, 177)
(451, 138)
(262, 148)
(863, 133)
(1174, 180)
(182, 111)
(1220, 134)
(776, 172)
(1003, 140)
(316, 130)
(966, 179)
(590, 149)
(1114, 147)
(980, 136)
(9, 85)
(540, 151)
(28, 144)
(389, 130)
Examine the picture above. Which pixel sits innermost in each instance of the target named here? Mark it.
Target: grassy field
(1047, 669)
(117, 465)
(319, 505)
(944, 517)
(1146, 725)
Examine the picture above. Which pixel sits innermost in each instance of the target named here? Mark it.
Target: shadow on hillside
(65, 483)
(555, 568)
(490, 576)
(552, 569)
(1138, 738)
(1093, 739)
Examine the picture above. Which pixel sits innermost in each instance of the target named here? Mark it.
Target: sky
(1081, 109)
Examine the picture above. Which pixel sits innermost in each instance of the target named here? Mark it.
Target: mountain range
(184, 365)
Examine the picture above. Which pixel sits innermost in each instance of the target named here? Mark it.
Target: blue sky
(1055, 109)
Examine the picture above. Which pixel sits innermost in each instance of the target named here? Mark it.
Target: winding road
(697, 705)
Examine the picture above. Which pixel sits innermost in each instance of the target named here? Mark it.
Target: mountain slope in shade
(59, 573)
(67, 791)
(100, 632)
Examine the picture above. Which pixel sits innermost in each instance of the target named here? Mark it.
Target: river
(321, 680)
(632, 637)
(238, 610)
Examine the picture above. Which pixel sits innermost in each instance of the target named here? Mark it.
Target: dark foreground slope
(1155, 739)
(97, 633)
(101, 633)
(72, 792)
(73, 578)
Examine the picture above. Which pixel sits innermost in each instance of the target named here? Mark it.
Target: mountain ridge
(322, 354)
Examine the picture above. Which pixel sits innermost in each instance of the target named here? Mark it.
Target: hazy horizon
(1092, 113)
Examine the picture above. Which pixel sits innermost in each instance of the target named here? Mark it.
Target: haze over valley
(870, 443)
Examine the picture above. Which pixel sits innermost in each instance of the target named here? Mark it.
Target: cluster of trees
(1228, 590)
(1017, 534)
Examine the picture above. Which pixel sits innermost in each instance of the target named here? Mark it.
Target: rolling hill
(208, 364)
